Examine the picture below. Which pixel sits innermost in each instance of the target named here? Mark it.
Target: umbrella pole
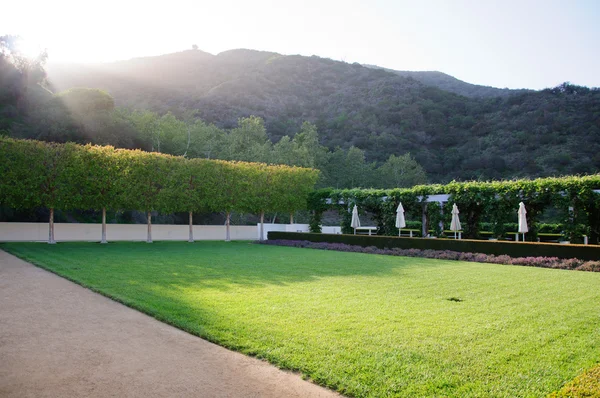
(354, 231)
(454, 235)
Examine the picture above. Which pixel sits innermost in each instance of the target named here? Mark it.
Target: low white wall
(282, 228)
(297, 228)
(69, 232)
(63, 232)
(331, 230)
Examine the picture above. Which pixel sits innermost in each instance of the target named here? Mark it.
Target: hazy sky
(506, 43)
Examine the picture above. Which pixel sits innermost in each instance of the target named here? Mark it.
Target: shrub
(593, 266)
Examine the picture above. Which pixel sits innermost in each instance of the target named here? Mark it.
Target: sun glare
(29, 48)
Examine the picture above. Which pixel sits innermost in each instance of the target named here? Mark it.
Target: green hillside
(529, 133)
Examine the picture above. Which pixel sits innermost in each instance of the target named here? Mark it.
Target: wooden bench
(411, 233)
(365, 230)
(450, 234)
(542, 237)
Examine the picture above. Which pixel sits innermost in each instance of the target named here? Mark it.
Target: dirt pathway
(58, 339)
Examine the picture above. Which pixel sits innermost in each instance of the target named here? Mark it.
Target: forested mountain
(530, 133)
(452, 84)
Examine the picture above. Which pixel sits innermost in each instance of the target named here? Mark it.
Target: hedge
(69, 176)
(512, 249)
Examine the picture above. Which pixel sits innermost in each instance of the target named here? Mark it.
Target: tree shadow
(210, 264)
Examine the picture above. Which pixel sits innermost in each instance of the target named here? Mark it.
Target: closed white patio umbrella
(455, 223)
(355, 220)
(522, 220)
(400, 221)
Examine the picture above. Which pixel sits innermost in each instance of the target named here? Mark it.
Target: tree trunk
(441, 223)
(103, 226)
(191, 238)
(149, 239)
(188, 141)
(262, 226)
(291, 218)
(227, 222)
(424, 226)
(51, 240)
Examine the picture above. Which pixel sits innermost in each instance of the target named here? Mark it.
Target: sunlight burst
(29, 48)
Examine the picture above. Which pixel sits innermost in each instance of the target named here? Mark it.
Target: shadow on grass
(216, 265)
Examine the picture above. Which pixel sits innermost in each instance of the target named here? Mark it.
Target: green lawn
(366, 325)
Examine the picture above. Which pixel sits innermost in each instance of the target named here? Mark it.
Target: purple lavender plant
(544, 262)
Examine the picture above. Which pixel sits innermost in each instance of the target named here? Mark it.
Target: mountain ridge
(438, 79)
(450, 83)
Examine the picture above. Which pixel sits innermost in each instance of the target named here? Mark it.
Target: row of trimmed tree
(70, 176)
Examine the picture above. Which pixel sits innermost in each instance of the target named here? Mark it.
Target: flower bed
(497, 248)
(544, 262)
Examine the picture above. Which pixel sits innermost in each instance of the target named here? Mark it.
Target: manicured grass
(366, 325)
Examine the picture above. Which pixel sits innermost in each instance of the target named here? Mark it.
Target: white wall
(69, 232)
(281, 228)
(296, 228)
(331, 230)
(34, 232)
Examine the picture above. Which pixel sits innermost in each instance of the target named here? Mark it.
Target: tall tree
(358, 173)
(207, 141)
(290, 189)
(229, 191)
(189, 187)
(249, 141)
(147, 177)
(401, 172)
(147, 124)
(103, 183)
(58, 170)
(284, 152)
(309, 152)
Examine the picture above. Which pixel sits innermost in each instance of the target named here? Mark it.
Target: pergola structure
(578, 196)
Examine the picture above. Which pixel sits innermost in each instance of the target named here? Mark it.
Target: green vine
(493, 202)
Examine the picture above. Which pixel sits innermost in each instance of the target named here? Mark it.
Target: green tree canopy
(401, 172)
(83, 101)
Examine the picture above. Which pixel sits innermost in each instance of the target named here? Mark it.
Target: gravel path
(58, 339)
